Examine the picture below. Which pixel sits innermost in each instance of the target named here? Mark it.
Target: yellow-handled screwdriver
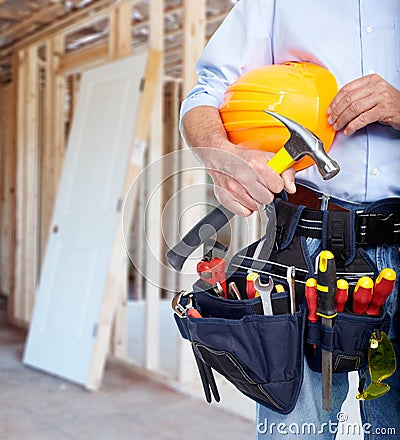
(326, 290)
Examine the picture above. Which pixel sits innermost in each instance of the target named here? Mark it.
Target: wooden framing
(153, 288)
(120, 35)
(53, 140)
(7, 195)
(194, 39)
(44, 87)
(27, 194)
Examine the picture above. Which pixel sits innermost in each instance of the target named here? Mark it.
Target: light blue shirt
(351, 38)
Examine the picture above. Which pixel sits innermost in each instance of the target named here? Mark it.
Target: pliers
(181, 303)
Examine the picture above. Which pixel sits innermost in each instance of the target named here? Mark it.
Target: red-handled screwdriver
(312, 299)
(250, 289)
(383, 288)
(342, 293)
(362, 295)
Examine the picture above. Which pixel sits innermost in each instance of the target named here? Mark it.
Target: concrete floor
(36, 406)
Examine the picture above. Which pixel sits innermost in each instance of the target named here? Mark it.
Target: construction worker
(359, 42)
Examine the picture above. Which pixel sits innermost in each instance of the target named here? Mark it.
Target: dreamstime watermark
(339, 426)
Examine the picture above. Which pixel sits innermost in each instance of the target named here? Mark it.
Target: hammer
(301, 143)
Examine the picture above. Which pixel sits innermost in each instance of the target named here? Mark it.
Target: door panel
(77, 259)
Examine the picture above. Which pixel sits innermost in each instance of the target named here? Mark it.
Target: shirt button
(375, 171)
(369, 29)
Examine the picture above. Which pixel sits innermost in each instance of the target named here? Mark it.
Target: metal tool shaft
(326, 372)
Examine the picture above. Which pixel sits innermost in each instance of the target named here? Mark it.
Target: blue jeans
(308, 420)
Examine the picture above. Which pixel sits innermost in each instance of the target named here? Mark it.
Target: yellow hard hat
(300, 91)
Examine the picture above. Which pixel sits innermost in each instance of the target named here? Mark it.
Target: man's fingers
(356, 109)
(349, 104)
(364, 101)
(361, 121)
(237, 207)
(288, 180)
(356, 89)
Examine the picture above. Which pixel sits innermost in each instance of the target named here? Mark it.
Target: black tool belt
(345, 233)
(263, 355)
(370, 228)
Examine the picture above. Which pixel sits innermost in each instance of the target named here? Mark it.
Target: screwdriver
(326, 290)
(362, 295)
(311, 297)
(250, 289)
(342, 293)
(383, 288)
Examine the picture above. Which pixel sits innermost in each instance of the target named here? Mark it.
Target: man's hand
(243, 181)
(364, 101)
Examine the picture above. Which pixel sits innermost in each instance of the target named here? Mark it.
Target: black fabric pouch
(261, 355)
(348, 340)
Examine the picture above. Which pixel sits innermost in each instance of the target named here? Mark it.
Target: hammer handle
(217, 218)
(199, 234)
(281, 161)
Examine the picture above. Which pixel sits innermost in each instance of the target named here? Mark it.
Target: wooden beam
(24, 24)
(193, 43)
(30, 215)
(67, 24)
(27, 185)
(154, 211)
(53, 129)
(120, 39)
(8, 16)
(8, 190)
(82, 60)
(21, 85)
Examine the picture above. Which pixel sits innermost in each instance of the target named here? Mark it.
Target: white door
(74, 272)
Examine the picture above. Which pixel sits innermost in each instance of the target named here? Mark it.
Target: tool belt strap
(369, 228)
(342, 232)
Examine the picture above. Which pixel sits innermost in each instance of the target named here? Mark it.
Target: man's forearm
(202, 126)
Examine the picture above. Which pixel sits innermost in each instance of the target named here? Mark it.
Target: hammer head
(304, 143)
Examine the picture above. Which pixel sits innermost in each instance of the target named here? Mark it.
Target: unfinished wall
(7, 188)
(37, 108)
